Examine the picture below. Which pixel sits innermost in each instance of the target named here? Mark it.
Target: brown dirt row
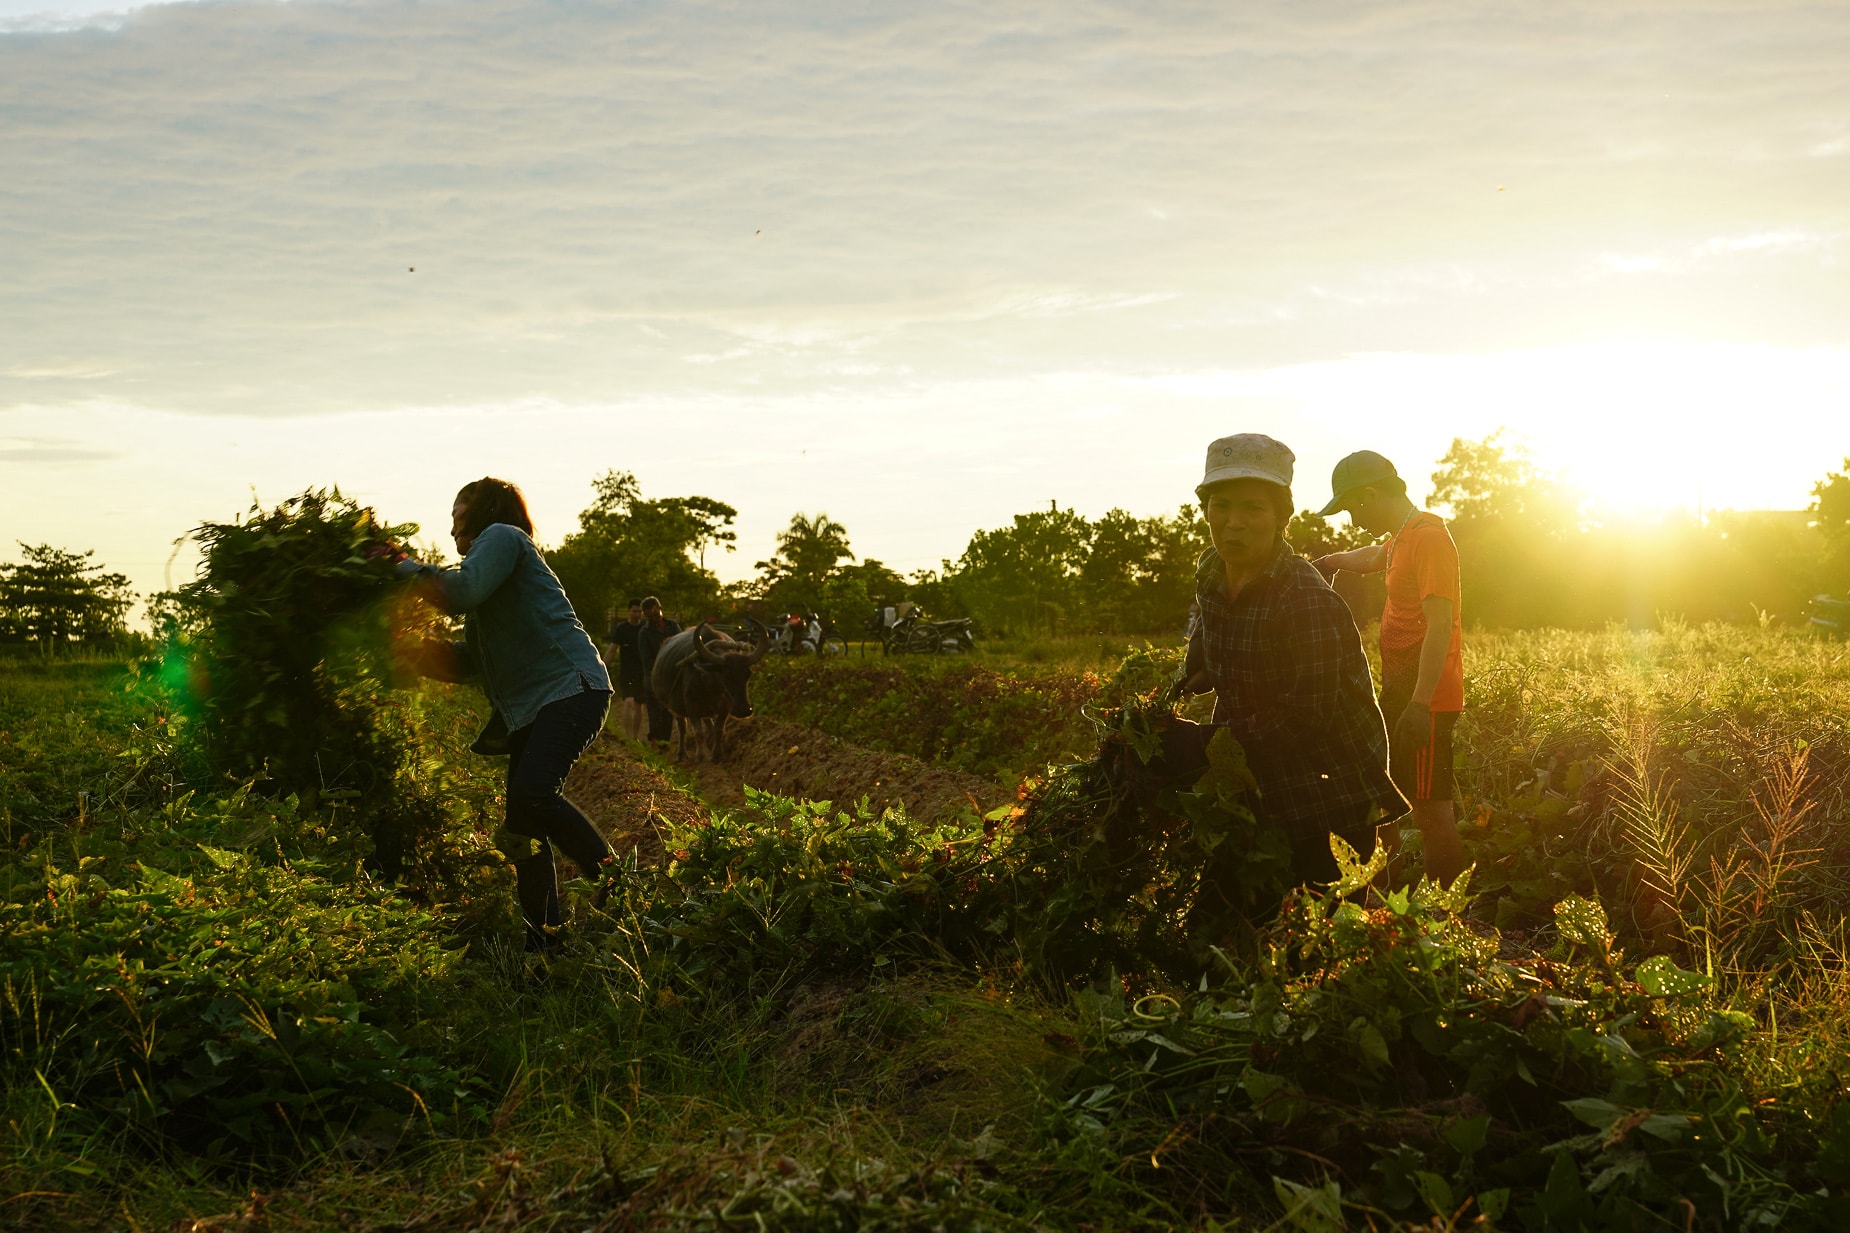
(628, 799)
(794, 760)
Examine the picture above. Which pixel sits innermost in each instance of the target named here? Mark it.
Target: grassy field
(1638, 1016)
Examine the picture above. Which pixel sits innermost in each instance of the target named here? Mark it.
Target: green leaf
(1437, 1192)
(1310, 1209)
(1372, 1044)
(1355, 874)
(1227, 771)
(1663, 979)
(1583, 922)
(1563, 1197)
(1595, 1112)
(1669, 1127)
(1467, 1134)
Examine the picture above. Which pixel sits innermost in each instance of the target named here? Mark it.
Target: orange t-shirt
(1422, 562)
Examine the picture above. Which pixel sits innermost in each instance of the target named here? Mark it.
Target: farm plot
(810, 1017)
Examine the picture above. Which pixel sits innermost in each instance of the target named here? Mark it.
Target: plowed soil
(792, 760)
(627, 799)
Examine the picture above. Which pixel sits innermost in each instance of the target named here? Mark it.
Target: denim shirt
(519, 630)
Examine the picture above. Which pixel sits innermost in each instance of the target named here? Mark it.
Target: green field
(211, 1011)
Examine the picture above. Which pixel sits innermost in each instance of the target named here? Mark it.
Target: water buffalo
(701, 676)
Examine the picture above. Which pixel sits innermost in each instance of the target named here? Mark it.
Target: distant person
(542, 675)
(1281, 652)
(657, 628)
(1422, 641)
(625, 649)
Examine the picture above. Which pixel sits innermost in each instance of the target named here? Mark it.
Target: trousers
(540, 756)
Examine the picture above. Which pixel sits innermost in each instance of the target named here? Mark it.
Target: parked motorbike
(909, 633)
(806, 634)
(1830, 614)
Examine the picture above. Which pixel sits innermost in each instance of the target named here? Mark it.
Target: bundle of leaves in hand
(1149, 853)
(299, 612)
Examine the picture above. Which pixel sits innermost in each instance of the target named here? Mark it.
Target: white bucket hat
(1248, 455)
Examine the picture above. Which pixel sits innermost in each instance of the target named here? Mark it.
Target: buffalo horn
(761, 640)
(704, 638)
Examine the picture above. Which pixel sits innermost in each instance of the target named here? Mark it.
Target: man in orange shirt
(1422, 666)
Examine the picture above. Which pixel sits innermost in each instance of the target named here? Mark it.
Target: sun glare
(1641, 428)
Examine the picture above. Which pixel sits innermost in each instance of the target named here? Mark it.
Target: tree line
(1533, 552)
(54, 598)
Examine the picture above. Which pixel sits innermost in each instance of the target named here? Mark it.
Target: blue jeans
(540, 756)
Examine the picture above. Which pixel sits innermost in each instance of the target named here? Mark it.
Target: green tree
(1025, 576)
(1139, 573)
(1830, 514)
(1494, 482)
(54, 597)
(626, 547)
(1522, 548)
(797, 576)
(854, 591)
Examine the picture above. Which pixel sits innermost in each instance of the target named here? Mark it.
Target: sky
(922, 267)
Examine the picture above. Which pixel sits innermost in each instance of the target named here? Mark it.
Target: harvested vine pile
(289, 656)
(793, 760)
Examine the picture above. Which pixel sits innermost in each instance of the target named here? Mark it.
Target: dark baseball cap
(1359, 470)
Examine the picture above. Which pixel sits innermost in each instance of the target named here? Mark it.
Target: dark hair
(488, 501)
(651, 602)
(634, 603)
(1279, 494)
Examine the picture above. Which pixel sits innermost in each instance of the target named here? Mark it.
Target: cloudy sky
(922, 266)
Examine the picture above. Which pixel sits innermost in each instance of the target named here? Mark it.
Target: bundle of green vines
(295, 613)
(1136, 860)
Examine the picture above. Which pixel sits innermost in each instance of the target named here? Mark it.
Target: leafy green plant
(239, 1009)
(1384, 1036)
(298, 615)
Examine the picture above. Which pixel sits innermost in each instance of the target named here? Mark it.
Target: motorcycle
(903, 630)
(806, 634)
(1830, 614)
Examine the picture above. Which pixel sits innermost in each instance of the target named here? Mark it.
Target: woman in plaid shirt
(1281, 652)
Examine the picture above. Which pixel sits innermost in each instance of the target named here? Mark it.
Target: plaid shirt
(1293, 686)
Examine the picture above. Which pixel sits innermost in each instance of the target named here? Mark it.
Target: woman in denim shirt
(543, 676)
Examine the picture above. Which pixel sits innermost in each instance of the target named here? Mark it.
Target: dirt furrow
(628, 799)
(794, 760)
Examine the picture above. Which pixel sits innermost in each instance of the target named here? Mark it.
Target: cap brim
(1340, 502)
(1233, 473)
